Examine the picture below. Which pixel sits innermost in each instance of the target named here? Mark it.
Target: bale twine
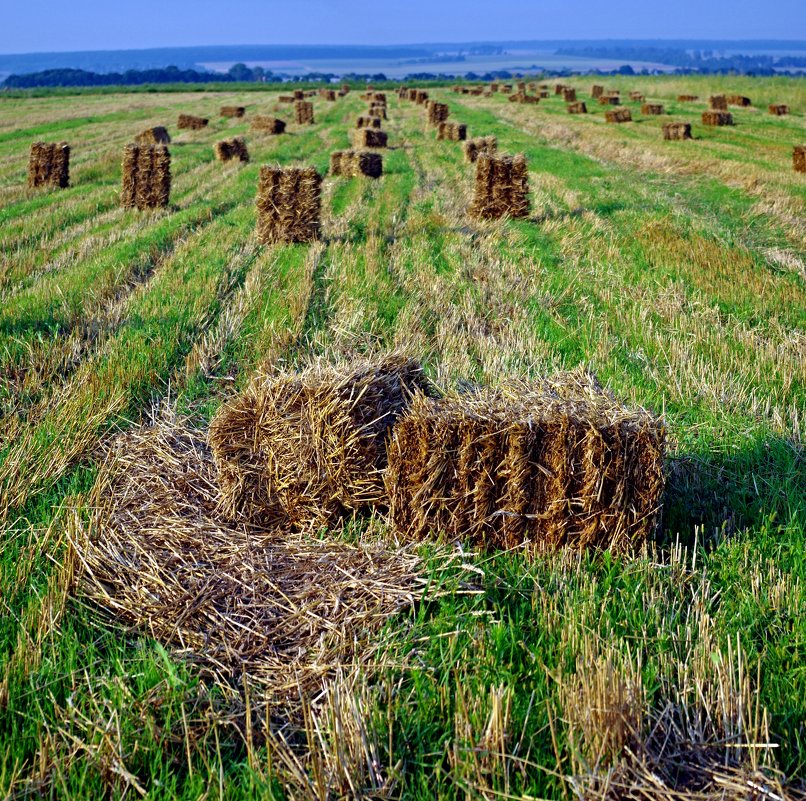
(676, 131)
(49, 165)
(288, 204)
(480, 144)
(501, 187)
(153, 136)
(271, 125)
(618, 115)
(713, 117)
(353, 163)
(146, 178)
(230, 149)
(191, 122)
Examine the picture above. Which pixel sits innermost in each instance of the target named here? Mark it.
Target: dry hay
(271, 125)
(609, 100)
(799, 158)
(577, 108)
(560, 463)
(569, 95)
(369, 137)
(303, 112)
(522, 97)
(637, 97)
(437, 112)
(494, 86)
(521, 86)
(233, 111)
(157, 135)
(718, 103)
(367, 122)
(778, 109)
(559, 88)
(473, 148)
(378, 97)
(739, 100)
(476, 91)
(146, 181)
(279, 610)
(345, 87)
(377, 111)
(713, 117)
(288, 204)
(286, 99)
(505, 89)
(675, 131)
(688, 98)
(543, 93)
(420, 97)
(328, 94)
(652, 109)
(192, 122)
(597, 90)
(618, 115)
(229, 149)
(299, 94)
(305, 450)
(452, 131)
(49, 165)
(352, 163)
(501, 186)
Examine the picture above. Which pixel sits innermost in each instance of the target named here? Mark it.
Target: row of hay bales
(554, 463)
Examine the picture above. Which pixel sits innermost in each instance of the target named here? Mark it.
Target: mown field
(675, 271)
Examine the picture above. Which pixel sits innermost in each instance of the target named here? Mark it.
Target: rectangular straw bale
(354, 163)
(494, 86)
(713, 117)
(577, 108)
(687, 98)
(329, 95)
(652, 108)
(559, 88)
(437, 112)
(476, 91)
(718, 103)
(369, 137)
(779, 109)
(521, 85)
(379, 112)
(49, 165)
(153, 136)
(345, 87)
(303, 112)
(192, 122)
(299, 94)
(554, 464)
(799, 158)
(233, 111)
(421, 97)
(288, 204)
(286, 99)
(480, 144)
(637, 97)
(609, 100)
(146, 176)
(452, 131)
(378, 97)
(739, 100)
(229, 149)
(501, 186)
(365, 121)
(597, 90)
(618, 115)
(505, 89)
(302, 450)
(569, 94)
(676, 131)
(263, 124)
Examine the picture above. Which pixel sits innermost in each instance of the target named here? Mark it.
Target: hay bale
(367, 122)
(779, 109)
(473, 148)
(233, 111)
(618, 115)
(718, 103)
(303, 450)
(229, 149)
(378, 97)
(652, 109)
(49, 165)
(687, 98)
(556, 464)
(303, 112)
(494, 86)
(505, 89)
(355, 163)
(299, 94)
(477, 91)
(597, 91)
(609, 100)
(739, 100)
(522, 97)
(379, 112)
(637, 97)
(345, 87)
(328, 94)
(452, 131)
(146, 179)
(676, 131)
(577, 108)
(192, 122)
(369, 137)
(153, 136)
(501, 187)
(713, 117)
(288, 204)
(799, 158)
(286, 99)
(436, 112)
(420, 97)
(569, 95)
(559, 88)
(270, 125)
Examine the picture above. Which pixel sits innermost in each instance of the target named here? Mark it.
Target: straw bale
(609, 100)
(521, 86)
(620, 114)
(229, 149)
(494, 86)
(559, 88)
(799, 158)
(652, 108)
(687, 98)
(569, 95)
(779, 109)
(369, 137)
(192, 122)
(713, 117)
(378, 97)
(452, 131)
(153, 136)
(49, 165)
(505, 89)
(676, 130)
(477, 91)
(146, 178)
(558, 463)
(286, 99)
(597, 90)
(637, 97)
(718, 103)
(328, 94)
(303, 112)
(437, 112)
(345, 87)
(288, 204)
(352, 163)
(739, 100)
(480, 144)
(501, 186)
(379, 112)
(299, 94)
(365, 121)
(577, 108)
(301, 451)
(265, 124)
(420, 97)
(233, 111)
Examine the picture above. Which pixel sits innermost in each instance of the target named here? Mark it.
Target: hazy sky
(46, 25)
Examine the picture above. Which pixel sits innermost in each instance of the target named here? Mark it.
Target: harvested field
(477, 145)
(452, 131)
(354, 163)
(146, 176)
(191, 122)
(618, 115)
(230, 149)
(288, 204)
(49, 165)
(676, 130)
(501, 187)
(263, 124)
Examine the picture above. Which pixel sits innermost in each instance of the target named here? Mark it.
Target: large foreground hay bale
(49, 165)
(146, 179)
(652, 109)
(303, 450)
(480, 144)
(288, 204)
(365, 121)
(369, 137)
(618, 115)
(452, 131)
(157, 135)
(229, 149)
(270, 125)
(577, 108)
(778, 109)
(799, 158)
(353, 163)
(233, 111)
(437, 112)
(676, 131)
(557, 464)
(501, 187)
(192, 122)
(713, 117)
(303, 112)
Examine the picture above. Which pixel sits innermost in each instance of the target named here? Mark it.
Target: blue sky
(41, 25)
